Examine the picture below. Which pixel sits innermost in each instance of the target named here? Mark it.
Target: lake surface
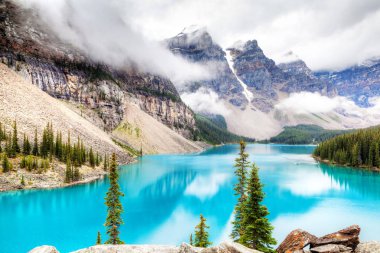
(164, 195)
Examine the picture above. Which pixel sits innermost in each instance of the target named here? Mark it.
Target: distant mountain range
(253, 87)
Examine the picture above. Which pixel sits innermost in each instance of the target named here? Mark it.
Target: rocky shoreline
(298, 241)
(54, 177)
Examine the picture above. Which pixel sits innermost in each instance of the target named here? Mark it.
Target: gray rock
(44, 249)
(368, 247)
(331, 248)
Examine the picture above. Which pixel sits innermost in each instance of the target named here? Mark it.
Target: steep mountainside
(28, 47)
(33, 109)
(358, 83)
(197, 46)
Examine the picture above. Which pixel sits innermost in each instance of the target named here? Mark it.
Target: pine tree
(114, 206)
(15, 147)
(26, 146)
(257, 228)
(98, 239)
(241, 165)
(97, 160)
(35, 144)
(7, 166)
(22, 180)
(191, 240)
(68, 172)
(201, 234)
(91, 158)
(105, 163)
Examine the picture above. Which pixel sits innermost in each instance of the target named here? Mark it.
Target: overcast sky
(326, 34)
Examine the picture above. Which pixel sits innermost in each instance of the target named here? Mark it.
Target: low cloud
(101, 29)
(205, 101)
(307, 102)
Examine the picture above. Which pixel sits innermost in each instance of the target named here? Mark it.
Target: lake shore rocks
(225, 247)
(345, 240)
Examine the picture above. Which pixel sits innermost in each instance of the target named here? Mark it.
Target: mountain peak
(288, 57)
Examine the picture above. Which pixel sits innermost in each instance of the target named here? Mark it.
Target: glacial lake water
(164, 195)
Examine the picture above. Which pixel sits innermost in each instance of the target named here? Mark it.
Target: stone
(331, 248)
(296, 240)
(226, 247)
(368, 247)
(348, 237)
(44, 249)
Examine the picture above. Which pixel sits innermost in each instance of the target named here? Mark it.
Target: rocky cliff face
(197, 45)
(266, 80)
(97, 90)
(358, 83)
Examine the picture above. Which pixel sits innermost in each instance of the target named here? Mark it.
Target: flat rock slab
(331, 248)
(296, 241)
(348, 237)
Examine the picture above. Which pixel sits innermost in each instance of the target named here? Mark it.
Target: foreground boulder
(348, 237)
(345, 240)
(44, 249)
(296, 241)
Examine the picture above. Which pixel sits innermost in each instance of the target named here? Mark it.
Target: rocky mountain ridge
(61, 70)
(257, 87)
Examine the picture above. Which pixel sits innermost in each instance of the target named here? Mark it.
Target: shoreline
(328, 162)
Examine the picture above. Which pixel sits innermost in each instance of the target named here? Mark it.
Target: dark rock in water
(296, 241)
(348, 237)
(331, 248)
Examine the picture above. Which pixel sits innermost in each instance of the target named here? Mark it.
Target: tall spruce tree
(191, 240)
(241, 166)
(35, 144)
(257, 228)
(15, 146)
(114, 206)
(201, 234)
(69, 171)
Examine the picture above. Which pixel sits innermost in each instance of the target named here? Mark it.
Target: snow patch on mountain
(246, 92)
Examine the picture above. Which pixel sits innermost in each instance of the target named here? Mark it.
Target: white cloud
(101, 29)
(206, 101)
(327, 34)
(307, 102)
(206, 186)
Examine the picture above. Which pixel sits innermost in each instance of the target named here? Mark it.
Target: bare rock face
(296, 240)
(63, 71)
(44, 249)
(348, 237)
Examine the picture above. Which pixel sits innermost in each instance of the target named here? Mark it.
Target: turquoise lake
(164, 195)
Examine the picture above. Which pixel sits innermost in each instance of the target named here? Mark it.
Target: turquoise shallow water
(164, 195)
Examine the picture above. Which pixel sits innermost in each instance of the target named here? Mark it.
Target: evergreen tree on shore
(98, 239)
(15, 147)
(191, 240)
(114, 206)
(241, 165)
(201, 234)
(7, 166)
(35, 144)
(257, 228)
